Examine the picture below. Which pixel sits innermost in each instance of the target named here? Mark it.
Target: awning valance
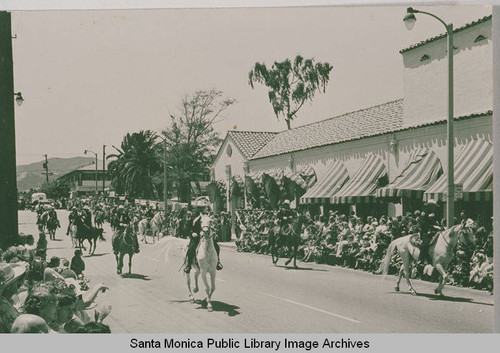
(473, 169)
(361, 187)
(421, 171)
(334, 178)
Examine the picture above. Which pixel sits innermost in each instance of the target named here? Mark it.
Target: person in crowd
(94, 327)
(11, 277)
(41, 246)
(29, 323)
(42, 301)
(77, 263)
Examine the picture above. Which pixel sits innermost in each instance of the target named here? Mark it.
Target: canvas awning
(473, 169)
(361, 187)
(334, 178)
(296, 178)
(309, 175)
(275, 174)
(421, 171)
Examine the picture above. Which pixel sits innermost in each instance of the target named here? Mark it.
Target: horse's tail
(384, 266)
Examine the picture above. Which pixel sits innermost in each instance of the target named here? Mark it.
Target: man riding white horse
(203, 220)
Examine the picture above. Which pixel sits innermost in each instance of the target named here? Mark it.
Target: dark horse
(91, 234)
(287, 236)
(123, 243)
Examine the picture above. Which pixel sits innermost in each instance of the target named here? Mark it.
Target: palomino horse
(206, 263)
(441, 252)
(287, 236)
(124, 243)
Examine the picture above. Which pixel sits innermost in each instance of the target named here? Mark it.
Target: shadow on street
(230, 310)
(302, 268)
(136, 276)
(445, 298)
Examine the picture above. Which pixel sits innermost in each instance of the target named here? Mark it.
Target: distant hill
(33, 175)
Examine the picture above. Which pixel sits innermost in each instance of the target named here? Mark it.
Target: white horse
(206, 262)
(157, 225)
(144, 229)
(441, 253)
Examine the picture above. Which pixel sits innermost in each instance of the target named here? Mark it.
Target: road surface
(253, 296)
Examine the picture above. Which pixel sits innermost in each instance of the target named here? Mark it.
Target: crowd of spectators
(349, 241)
(39, 296)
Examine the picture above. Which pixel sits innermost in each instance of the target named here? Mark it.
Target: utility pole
(165, 177)
(8, 180)
(103, 169)
(46, 167)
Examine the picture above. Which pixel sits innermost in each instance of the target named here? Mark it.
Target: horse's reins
(460, 232)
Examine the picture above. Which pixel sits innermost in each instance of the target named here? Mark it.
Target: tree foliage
(290, 85)
(55, 189)
(191, 140)
(134, 164)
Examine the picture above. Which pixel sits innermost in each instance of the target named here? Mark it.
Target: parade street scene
(247, 170)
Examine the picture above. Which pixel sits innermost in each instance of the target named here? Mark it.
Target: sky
(90, 76)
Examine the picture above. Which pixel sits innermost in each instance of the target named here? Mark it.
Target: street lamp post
(409, 21)
(96, 186)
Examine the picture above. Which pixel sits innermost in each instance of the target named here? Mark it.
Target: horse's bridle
(462, 230)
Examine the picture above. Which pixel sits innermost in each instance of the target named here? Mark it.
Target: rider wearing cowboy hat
(123, 222)
(194, 240)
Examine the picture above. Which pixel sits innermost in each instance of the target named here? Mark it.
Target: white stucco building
(391, 131)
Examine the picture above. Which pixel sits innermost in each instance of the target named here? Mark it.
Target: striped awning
(276, 174)
(296, 178)
(334, 178)
(421, 171)
(309, 175)
(473, 169)
(256, 177)
(361, 187)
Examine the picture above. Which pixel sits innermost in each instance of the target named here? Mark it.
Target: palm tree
(135, 163)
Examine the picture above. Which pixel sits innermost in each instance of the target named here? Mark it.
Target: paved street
(252, 295)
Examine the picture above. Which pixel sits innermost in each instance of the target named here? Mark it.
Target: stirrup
(187, 269)
(219, 266)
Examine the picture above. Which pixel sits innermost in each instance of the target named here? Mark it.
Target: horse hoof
(209, 308)
(191, 300)
(413, 292)
(195, 290)
(396, 289)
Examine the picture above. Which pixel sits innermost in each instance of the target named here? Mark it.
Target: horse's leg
(130, 255)
(90, 246)
(444, 277)
(401, 271)
(120, 263)
(207, 289)
(188, 282)
(211, 291)
(407, 268)
(196, 277)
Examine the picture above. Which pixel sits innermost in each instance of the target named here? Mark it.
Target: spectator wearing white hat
(10, 279)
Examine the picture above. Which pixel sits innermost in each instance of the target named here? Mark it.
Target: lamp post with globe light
(409, 21)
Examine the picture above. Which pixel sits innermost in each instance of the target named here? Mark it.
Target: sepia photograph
(263, 170)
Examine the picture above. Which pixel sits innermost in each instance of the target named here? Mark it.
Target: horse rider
(426, 228)
(194, 240)
(71, 217)
(285, 214)
(125, 221)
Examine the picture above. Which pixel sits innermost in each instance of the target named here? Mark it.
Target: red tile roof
(371, 121)
(250, 142)
(468, 25)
